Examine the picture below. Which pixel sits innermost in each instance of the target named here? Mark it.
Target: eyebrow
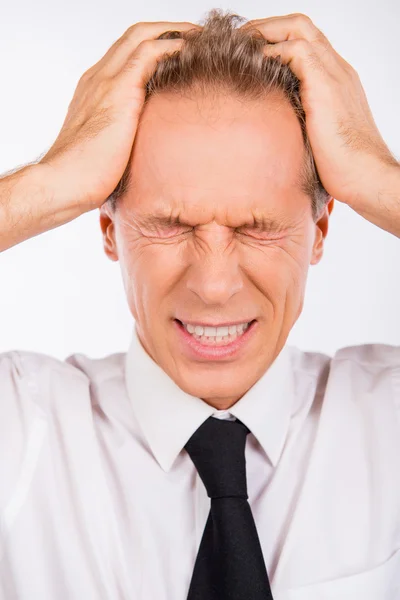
(264, 224)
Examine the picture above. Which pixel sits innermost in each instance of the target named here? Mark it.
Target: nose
(215, 275)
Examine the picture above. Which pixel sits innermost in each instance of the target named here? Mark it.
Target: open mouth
(212, 347)
(221, 336)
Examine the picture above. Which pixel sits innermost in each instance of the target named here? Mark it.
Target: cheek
(280, 268)
(150, 271)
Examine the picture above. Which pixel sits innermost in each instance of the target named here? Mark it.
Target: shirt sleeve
(16, 415)
(31, 385)
(382, 361)
(396, 382)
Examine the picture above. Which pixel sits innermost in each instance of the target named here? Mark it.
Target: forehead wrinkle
(254, 218)
(237, 213)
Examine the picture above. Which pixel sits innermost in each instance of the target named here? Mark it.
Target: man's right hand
(92, 150)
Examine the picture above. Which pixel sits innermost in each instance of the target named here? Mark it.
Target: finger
(299, 54)
(288, 27)
(143, 61)
(113, 61)
(315, 49)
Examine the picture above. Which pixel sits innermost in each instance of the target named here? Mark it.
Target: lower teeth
(213, 340)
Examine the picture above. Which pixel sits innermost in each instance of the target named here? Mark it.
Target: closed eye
(170, 232)
(176, 231)
(260, 234)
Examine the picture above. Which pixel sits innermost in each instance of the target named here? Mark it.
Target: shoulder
(355, 392)
(368, 358)
(32, 376)
(358, 373)
(32, 388)
(36, 381)
(374, 372)
(373, 367)
(44, 401)
(371, 355)
(23, 363)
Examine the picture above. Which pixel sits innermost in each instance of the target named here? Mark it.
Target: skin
(215, 162)
(217, 165)
(354, 163)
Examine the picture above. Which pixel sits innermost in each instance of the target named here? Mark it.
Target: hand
(93, 147)
(351, 157)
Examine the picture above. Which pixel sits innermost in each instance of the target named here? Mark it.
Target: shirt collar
(168, 416)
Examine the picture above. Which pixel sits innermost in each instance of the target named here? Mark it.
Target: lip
(197, 351)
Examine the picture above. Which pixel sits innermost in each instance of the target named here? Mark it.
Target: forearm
(29, 205)
(380, 202)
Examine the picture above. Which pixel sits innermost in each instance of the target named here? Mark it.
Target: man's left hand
(354, 163)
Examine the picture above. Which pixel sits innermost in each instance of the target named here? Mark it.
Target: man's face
(218, 164)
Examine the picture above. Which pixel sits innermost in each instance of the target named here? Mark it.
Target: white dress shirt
(99, 500)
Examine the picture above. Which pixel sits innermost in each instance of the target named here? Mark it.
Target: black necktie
(229, 563)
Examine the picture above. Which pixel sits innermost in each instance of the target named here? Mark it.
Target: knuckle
(305, 23)
(322, 41)
(86, 76)
(146, 46)
(303, 46)
(302, 18)
(138, 27)
(135, 29)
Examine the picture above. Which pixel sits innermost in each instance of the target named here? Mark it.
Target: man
(211, 461)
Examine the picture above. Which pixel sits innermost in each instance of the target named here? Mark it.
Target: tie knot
(217, 449)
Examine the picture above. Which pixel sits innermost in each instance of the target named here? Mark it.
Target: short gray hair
(222, 57)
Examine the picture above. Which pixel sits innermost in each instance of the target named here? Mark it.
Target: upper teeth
(216, 331)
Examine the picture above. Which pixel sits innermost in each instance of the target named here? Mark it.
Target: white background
(59, 292)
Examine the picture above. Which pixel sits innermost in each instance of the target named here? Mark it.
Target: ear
(107, 224)
(321, 233)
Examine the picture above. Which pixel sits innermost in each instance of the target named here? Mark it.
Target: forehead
(217, 156)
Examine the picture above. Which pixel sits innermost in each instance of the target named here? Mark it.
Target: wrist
(378, 198)
(29, 205)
